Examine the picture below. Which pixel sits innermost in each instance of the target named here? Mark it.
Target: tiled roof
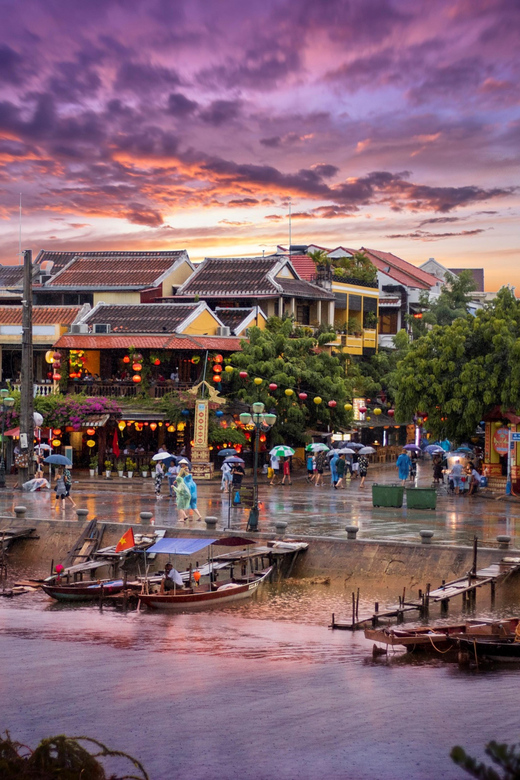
(58, 259)
(389, 302)
(11, 275)
(41, 315)
(232, 276)
(167, 341)
(113, 269)
(298, 288)
(304, 267)
(142, 317)
(232, 318)
(403, 272)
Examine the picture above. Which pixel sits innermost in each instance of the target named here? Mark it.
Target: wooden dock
(8, 536)
(465, 586)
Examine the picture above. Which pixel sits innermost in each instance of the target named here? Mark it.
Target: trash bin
(421, 498)
(387, 495)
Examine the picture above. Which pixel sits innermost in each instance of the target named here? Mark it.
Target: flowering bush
(76, 411)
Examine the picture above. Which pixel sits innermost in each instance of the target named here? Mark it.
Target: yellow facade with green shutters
(356, 317)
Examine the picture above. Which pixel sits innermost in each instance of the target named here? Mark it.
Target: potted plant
(144, 470)
(108, 468)
(120, 465)
(93, 466)
(371, 320)
(131, 466)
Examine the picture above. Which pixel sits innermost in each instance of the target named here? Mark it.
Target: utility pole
(26, 462)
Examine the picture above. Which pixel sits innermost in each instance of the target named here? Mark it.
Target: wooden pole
(25, 472)
(474, 568)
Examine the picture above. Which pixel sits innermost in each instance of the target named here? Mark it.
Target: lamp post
(262, 421)
(7, 403)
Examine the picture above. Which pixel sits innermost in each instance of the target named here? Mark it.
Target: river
(254, 691)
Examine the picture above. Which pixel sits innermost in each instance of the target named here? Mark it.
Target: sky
(188, 124)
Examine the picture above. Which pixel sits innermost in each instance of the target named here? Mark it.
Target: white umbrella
(366, 451)
(161, 456)
(282, 451)
(43, 447)
(317, 447)
(346, 451)
(355, 445)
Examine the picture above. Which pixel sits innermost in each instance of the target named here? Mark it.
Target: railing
(125, 389)
(41, 388)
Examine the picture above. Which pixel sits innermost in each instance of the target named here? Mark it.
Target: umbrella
(366, 451)
(412, 447)
(43, 447)
(57, 460)
(332, 453)
(282, 451)
(225, 453)
(355, 445)
(162, 456)
(464, 449)
(433, 449)
(346, 451)
(233, 460)
(318, 447)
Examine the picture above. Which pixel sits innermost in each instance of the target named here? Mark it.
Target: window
(388, 323)
(303, 314)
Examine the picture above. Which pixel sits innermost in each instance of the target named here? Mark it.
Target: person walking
(286, 471)
(159, 474)
(67, 476)
(363, 469)
(333, 470)
(183, 495)
(275, 465)
(320, 467)
(61, 491)
(192, 487)
(403, 464)
(341, 467)
(310, 467)
(225, 483)
(173, 472)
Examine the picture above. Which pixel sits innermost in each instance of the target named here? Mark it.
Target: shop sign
(501, 440)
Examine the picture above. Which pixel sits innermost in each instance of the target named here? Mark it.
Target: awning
(13, 432)
(179, 546)
(96, 421)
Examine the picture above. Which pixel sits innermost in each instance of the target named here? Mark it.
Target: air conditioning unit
(224, 331)
(79, 327)
(102, 327)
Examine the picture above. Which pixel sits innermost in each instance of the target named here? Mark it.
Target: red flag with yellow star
(126, 542)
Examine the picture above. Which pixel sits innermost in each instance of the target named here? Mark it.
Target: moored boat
(85, 591)
(441, 637)
(506, 650)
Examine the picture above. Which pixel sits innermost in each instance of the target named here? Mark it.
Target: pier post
(493, 592)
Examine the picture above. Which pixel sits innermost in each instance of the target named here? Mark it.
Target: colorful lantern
(137, 367)
(368, 419)
(91, 431)
(273, 387)
(185, 412)
(121, 425)
(219, 413)
(217, 369)
(138, 358)
(348, 407)
(126, 359)
(56, 356)
(257, 380)
(136, 378)
(302, 396)
(243, 375)
(332, 403)
(49, 356)
(317, 400)
(56, 377)
(56, 442)
(377, 411)
(56, 431)
(218, 359)
(153, 426)
(157, 362)
(289, 392)
(91, 443)
(217, 378)
(391, 412)
(362, 409)
(195, 359)
(263, 437)
(229, 369)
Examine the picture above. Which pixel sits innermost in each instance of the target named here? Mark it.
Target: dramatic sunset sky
(157, 124)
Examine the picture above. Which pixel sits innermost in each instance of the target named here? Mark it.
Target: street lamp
(7, 403)
(262, 422)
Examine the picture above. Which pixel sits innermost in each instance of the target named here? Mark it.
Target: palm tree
(320, 257)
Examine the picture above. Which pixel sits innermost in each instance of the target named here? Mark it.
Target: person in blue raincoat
(333, 471)
(403, 464)
(192, 487)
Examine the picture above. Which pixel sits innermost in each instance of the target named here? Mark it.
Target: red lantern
(263, 437)
(243, 375)
(56, 377)
(217, 378)
(56, 356)
(157, 362)
(217, 369)
(136, 378)
(153, 426)
(332, 404)
(218, 359)
(56, 431)
(126, 359)
(137, 367)
(273, 386)
(362, 409)
(138, 357)
(390, 412)
(91, 431)
(302, 396)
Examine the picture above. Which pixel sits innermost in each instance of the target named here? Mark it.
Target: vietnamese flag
(126, 542)
(115, 445)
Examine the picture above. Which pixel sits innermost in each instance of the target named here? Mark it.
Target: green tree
(456, 373)
(357, 267)
(506, 757)
(378, 373)
(293, 360)
(451, 304)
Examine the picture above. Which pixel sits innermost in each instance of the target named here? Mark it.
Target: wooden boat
(85, 591)
(210, 594)
(505, 650)
(441, 637)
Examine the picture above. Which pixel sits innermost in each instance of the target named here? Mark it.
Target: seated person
(474, 481)
(171, 580)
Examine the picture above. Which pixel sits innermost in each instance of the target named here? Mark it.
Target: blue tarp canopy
(180, 546)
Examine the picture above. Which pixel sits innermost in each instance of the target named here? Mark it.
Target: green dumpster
(421, 498)
(387, 495)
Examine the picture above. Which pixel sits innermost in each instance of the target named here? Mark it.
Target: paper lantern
(153, 426)
(59, 568)
(229, 369)
(136, 378)
(362, 409)
(263, 437)
(348, 407)
(317, 400)
(377, 412)
(56, 356)
(138, 358)
(146, 423)
(91, 443)
(157, 362)
(243, 375)
(257, 380)
(126, 359)
(137, 367)
(368, 419)
(56, 377)
(56, 442)
(121, 425)
(195, 359)
(289, 392)
(171, 429)
(91, 431)
(390, 412)
(219, 413)
(217, 369)
(217, 378)
(302, 396)
(332, 403)
(56, 431)
(218, 359)
(49, 356)
(185, 412)
(273, 387)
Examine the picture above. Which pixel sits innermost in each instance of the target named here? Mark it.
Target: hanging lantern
(377, 411)
(91, 431)
(289, 392)
(185, 412)
(219, 413)
(56, 442)
(195, 359)
(138, 358)
(229, 369)
(257, 380)
(302, 396)
(126, 359)
(49, 356)
(263, 437)
(332, 404)
(368, 419)
(153, 426)
(146, 423)
(157, 362)
(171, 429)
(348, 407)
(121, 425)
(362, 409)
(56, 431)
(136, 378)
(217, 369)
(91, 443)
(273, 387)
(56, 356)
(56, 377)
(137, 367)
(243, 375)
(317, 400)
(217, 378)
(391, 412)
(218, 359)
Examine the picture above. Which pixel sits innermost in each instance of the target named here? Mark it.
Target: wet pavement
(308, 510)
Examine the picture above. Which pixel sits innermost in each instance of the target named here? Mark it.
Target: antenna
(290, 238)
(20, 233)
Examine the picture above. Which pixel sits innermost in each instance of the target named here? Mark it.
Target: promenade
(308, 510)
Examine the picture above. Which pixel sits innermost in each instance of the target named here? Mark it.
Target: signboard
(247, 495)
(501, 440)
(200, 436)
(515, 436)
(356, 404)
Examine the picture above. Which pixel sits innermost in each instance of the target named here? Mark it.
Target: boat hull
(440, 637)
(82, 591)
(504, 651)
(204, 599)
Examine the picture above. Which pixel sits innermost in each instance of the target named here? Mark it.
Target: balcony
(370, 338)
(125, 389)
(41, 388)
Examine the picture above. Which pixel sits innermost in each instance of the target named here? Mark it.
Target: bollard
(145, 516)
(351, 531)
(503, 541)
(82, 514)
(211, 523)
(280, 527)
(426, 537)
(20, 511)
